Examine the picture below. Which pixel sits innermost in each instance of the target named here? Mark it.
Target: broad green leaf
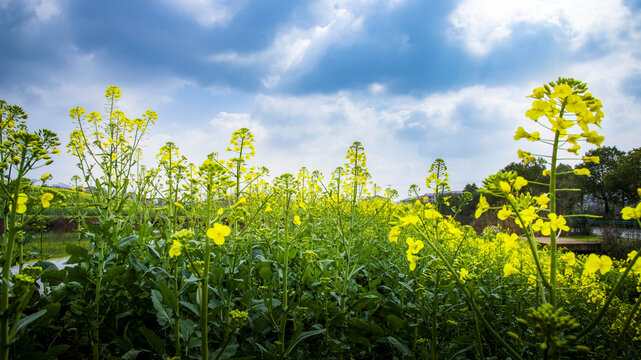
(154, 341)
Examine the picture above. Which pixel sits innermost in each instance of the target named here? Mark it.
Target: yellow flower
(528, 215)
(481, 207)
(409, 220)
(557, 223)
(543, 200)
(179, 205)
(505, 187)
(432, 214)
(569, 258)
(414, 245)
(509, 241)
(596, 263)
(268, 208)
(509, 270)
(296, 220)
(561, 91)
(220, 211)
(21, 201)
(463, 274)
(302, 205)
(546, 172)
(594, 159)
(574, 149)
(218, 233)
(542, 226)
(628, 213)
(582, 171)
(505, 213)
(175, 250)
(519, 183)
(45, 199)
(394, 233)
(412, 259)
(241, 201)
(520, 133)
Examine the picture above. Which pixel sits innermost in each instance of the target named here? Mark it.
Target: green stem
(553, 249)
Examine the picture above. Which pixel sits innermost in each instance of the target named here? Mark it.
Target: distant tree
(566, 201)
(594, 184)
(466, 216)
(625, 179)
(532, 171)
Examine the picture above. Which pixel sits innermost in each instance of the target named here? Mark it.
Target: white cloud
(297, 47)
(207, 13)
(482, 24)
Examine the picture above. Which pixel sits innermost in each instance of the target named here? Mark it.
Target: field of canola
(212, 261)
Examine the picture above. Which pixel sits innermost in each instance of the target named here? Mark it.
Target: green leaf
(304, 335)
(227, 352)
(154, 341)
(131, 354)
(399, 346)
(163, 315)
(265, 273)
(127, 241)
(22, 323)
(77, 251)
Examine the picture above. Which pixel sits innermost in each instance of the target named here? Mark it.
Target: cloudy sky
(412, 80)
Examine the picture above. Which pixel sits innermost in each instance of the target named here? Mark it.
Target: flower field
(219, 261)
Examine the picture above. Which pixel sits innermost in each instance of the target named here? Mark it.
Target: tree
(532, 171)
(594, 184)
(625, 179)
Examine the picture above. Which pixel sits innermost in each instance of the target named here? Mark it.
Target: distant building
(431, 196)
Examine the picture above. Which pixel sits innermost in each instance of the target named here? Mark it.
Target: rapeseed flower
(409, 220)
(582, 172)
(297, 220)
(519, 183)
(45, 199)
(414, 245)
(481, 207)
(463, 273)
(505, 187)
(558, 222)
(21, 201)
(509, 270)
(505, 213)
(596, 263)
(218, 233)
(412, 260)
(394, 233)
(629, 213)
(569, 258)
(176, 248)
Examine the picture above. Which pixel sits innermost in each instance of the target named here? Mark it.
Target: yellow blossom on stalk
(179, 205)
(241, 201)
(569, 258)
(505, 187)
(542, 226)
(505, 213)
(575, 149)
(558, 222)
(394, 233)
(463, 273)
(538, 93)
(593, 137)
(520, 134)
(414, 245)
(176, 248)
(594, 159)
(509, 270)
(596, 263)
(45, 199)
(528, 215)
(218, 233)
(629, 213)
(527, 156)
(481, 207)
(409, 220)
(509, 241)
(21, 201)
(302, 205)
(220, 211)
(297, 220)
(636, 267)
(543, 200)
(268, 208)
(581, 171)
(432, 214)
(519, 183)
(561, 91)
(546, 172)
(45, 177)
(412, 259)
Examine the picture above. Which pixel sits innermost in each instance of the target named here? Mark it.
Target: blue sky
(412, 80)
